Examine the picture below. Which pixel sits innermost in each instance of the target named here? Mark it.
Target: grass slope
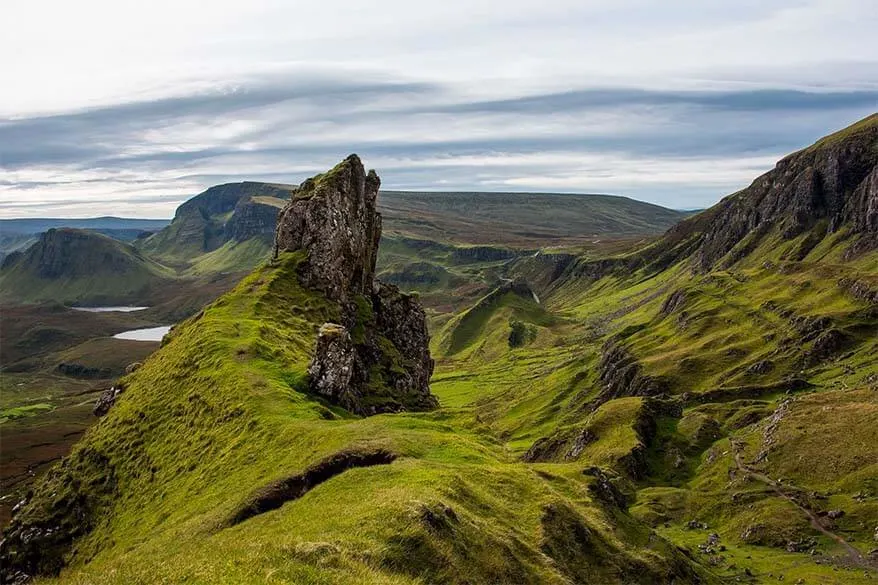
(217, 413)
(520, 219)
(79, 267)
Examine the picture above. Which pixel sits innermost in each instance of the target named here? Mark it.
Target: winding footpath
(854, 554)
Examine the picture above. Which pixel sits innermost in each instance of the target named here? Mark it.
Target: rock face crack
(275, 495)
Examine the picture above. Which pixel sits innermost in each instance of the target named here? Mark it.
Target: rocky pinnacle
(377, 359)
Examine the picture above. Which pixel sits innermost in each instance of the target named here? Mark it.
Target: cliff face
(831, 184)
(252, 219)
(230, 212)
(377, 359)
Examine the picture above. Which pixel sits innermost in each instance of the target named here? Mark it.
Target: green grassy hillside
(207, 230)
(79, 267)
(210, 420)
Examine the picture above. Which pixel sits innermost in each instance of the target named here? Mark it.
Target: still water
(109, 309)
(151, 334)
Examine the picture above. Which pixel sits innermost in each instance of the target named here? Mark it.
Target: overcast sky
(128, 107)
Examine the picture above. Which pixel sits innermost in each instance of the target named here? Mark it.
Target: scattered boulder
(438, 518)
(583, 438)
(826, 345)
(761, 367)
(604, 490)
(859, 290)
(107, 399)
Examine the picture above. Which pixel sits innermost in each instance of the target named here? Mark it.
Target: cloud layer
(498, 101)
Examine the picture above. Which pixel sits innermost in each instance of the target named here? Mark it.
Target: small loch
(109, 309)
(149, 334)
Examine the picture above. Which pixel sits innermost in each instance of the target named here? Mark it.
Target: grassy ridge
(216, 414)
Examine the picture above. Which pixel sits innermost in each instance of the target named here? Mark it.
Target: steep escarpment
(377, 358)
(828, 191)
(828, 186)
(223, 215)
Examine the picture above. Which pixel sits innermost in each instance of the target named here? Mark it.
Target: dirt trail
(854, 554)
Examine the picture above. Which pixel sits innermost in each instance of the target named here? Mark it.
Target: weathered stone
(107, 399)
(251, 219)
(835, 181)
(673, 302)
(333, 365)
(761, 367)
(378, 358)
(621, 375)
(333, 217)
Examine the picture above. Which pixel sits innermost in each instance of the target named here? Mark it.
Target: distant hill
(79, 267)
(100, 224)
(20, 234)
(229, 227)
(520, 219)
(218, 221)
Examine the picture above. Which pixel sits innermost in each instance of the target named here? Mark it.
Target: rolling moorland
(701, 407)
(56, 361)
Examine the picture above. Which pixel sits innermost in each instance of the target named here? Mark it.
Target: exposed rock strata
(834, 181)
(622, 375)
(377, 359)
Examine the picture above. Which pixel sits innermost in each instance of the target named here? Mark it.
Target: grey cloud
(682, 124)
(763, 100)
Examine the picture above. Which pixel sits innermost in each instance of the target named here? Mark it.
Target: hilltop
(20, 234)
(79, 267)
(521, 219)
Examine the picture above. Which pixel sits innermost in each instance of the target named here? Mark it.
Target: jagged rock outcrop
(377, 359)
(834, 181)
(333, 365)
(333, 217)
(622, 375)
(107, 399)
(252, 219)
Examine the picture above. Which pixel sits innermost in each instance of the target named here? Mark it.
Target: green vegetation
(23, 411)
(522, 220)
(640, 418)
(232, 257)
(217, 408)
(78, 267)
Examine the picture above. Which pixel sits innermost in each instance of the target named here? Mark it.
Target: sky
(128, 108)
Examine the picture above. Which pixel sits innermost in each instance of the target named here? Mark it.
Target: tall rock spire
(378, 358)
